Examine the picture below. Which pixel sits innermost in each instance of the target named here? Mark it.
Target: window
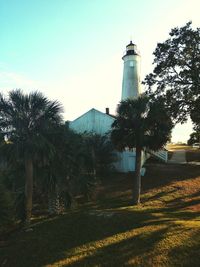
(131, 63)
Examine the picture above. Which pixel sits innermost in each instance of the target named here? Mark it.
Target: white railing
(161, 154)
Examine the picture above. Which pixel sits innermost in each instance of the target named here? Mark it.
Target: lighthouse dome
(131, 49)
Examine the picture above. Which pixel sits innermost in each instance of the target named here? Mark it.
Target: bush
(6, 206)
(20, 205)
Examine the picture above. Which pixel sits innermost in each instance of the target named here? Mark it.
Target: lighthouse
(131, 87)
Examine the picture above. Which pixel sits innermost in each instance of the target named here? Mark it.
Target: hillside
(164, 230)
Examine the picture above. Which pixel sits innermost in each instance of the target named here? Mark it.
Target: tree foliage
(73, 169)
(99, 154)
(6, 206)
(194, 136)
(140, 124)
(176, 75)
(25, 122)
(43, 161)
(59, 172)
(195, 112)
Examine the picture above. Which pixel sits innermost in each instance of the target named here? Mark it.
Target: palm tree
(99, 153)
(57, 171)
(140, 124)
(26, 120)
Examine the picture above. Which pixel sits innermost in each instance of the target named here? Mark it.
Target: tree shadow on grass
(121, 252)
(158, 195)
(50, 241)
(113, 202)
(188, 252)
(158, 175)
(184, 202)
(60, 238)
(140, 250)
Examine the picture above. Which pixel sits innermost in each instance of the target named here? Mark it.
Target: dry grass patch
(164, 230)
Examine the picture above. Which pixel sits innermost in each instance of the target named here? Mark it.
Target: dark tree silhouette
(26, 121)
(140, 124)
(194, 136)
(176, 75)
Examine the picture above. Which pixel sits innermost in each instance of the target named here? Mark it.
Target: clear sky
(71, 49)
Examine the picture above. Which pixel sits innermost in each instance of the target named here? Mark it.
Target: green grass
(174, 147)
(164, 230)
(193, 155)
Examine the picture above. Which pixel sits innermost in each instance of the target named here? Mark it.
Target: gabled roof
(95, 110)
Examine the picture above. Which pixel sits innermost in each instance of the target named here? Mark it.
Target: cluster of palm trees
(39, 153)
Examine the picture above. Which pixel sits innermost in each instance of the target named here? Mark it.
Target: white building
(98, 122)
(131, 84)
(93, 121)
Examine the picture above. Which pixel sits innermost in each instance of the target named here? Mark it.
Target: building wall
(92, 121)
(100, 123)
(126, 161)
(131, 87)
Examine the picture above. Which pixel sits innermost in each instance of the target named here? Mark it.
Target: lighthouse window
(131, 63)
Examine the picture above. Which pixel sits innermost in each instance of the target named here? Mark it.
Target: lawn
(192, 154)
(174, 147)
(164, 230)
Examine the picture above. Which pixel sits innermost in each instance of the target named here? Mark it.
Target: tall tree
(195, 113)
(176, 75)
(26, 121)
(140, 124)
(194, 136)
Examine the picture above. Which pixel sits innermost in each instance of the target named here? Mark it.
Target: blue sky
(71, 49)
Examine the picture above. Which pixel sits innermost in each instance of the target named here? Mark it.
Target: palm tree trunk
(53, 202)
(137, 181)
(94, 164)
(28, 189)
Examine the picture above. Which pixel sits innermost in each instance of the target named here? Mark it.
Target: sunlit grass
(192, 154)
(174, 147)
(164, 230)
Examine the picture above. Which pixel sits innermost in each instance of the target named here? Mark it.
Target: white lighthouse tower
(131, 87)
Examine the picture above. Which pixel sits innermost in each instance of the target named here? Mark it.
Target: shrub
(6, 206)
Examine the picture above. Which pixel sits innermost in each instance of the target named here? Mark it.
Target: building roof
(131, 43)
(92, 121)
(96, 110)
